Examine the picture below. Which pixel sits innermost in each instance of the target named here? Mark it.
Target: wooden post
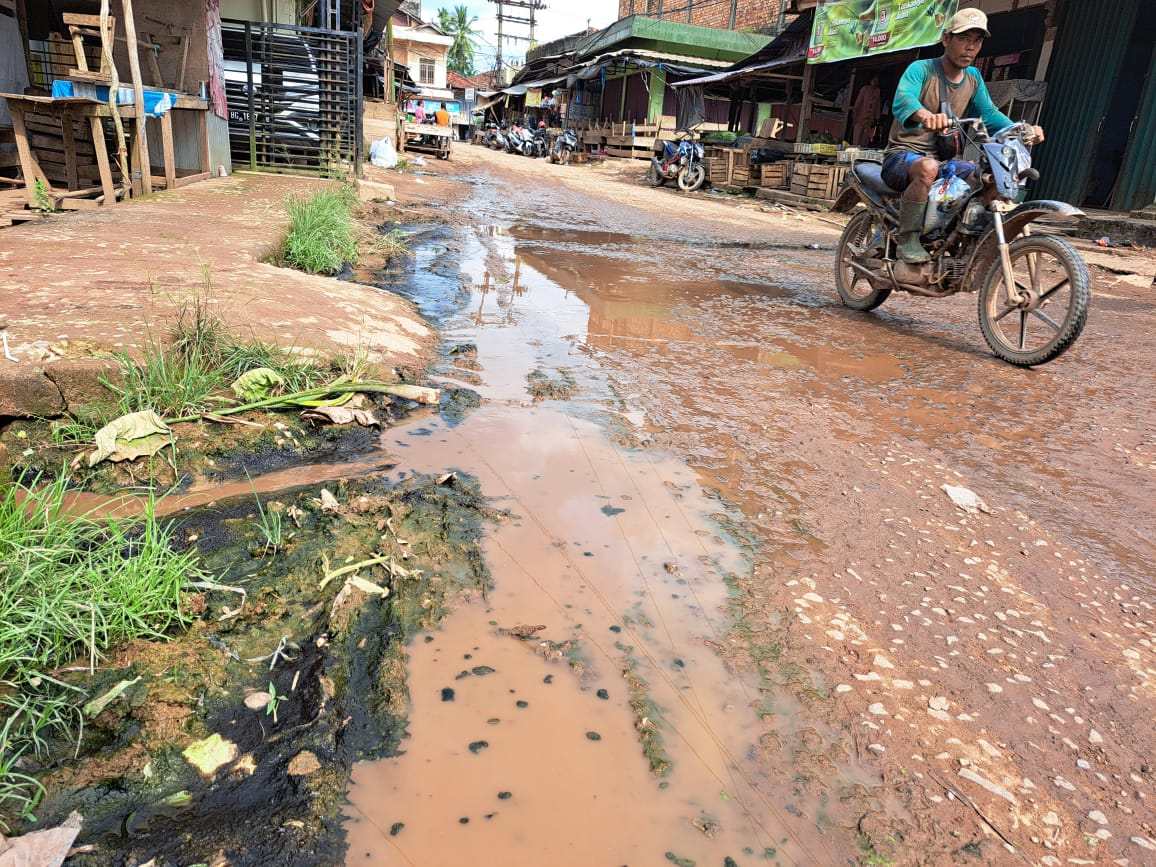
(22, 26)
(102, 165)
(170, 150)
(69, 140)
(29, 167)
(107, 41)
(141, 151)
(808, 102)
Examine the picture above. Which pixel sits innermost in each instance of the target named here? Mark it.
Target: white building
(423, 48)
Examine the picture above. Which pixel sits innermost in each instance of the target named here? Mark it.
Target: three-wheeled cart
(428, 138)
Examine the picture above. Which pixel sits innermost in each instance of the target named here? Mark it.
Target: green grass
(270, 527)
(322, 234)
(73, 587)
(168, 382)
(300, 374)
(190, 372)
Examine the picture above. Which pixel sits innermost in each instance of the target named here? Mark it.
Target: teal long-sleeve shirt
(919, 88)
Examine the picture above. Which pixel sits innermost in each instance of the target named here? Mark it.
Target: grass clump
(322, 234)
(73, 587)
(270, 527)
(187, 373)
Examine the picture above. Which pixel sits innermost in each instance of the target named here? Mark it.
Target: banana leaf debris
(145, 433)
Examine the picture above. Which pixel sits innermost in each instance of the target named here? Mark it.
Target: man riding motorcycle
(930, 94)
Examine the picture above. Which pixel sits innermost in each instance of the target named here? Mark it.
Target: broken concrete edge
(48, 391)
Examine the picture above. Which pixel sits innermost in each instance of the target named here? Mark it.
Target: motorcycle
(1033, 289)
(529, 147)
(498, 139)
(682, 162)
(541, 144)
(514, 140)
(565, 146)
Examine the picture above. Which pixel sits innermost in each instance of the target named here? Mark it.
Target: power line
(528, 18)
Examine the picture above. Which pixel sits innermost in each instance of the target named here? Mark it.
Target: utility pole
(527, 18)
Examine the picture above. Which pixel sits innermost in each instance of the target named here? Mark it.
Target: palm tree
(460, 25)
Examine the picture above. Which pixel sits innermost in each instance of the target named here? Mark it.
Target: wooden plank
(75, 18)
(78, 48)
(28, 165)
(150, 44)
(169, 150)
(69, 140)
(92, 77)
(142, 139)
(24, 216)
(102, 165)
(56, 145)
(79, 204)
(184, 60)
(192, 179)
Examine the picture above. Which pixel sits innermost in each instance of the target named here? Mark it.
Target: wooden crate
(817, 180)
(777, 176)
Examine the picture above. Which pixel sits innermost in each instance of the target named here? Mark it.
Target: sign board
(850, 29)
(533, 97)
(471, 95)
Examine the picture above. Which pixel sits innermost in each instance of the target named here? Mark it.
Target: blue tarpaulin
(156, 102)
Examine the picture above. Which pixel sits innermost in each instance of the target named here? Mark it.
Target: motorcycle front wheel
(564, 157)
(861, 236)
(654, 176)
(691, 178)
(1056, 289)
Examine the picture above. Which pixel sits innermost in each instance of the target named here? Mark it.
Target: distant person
(866, 112)
(419, 113)
(442, 116)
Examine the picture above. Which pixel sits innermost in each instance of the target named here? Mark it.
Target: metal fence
(294, 97)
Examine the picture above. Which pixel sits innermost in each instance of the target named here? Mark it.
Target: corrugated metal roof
(1087, 57)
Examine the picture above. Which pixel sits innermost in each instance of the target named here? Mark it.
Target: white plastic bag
(383, 154)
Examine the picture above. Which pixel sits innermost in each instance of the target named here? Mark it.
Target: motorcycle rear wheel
(1055, 280)
(691, 178)
(860, 236)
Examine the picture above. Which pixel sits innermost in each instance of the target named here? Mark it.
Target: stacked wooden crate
(632, 140)
(777, 176)
(817, 180)
(741, 169)
(719, 162)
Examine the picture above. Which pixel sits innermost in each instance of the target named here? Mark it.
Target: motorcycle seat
(870, 175)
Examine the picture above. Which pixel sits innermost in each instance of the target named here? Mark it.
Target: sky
(559, 18)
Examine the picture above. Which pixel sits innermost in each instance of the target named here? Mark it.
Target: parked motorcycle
(682, 162)
(514, 140)
(498, 139)
(541, 144)
(565, 146)
(1034, 289)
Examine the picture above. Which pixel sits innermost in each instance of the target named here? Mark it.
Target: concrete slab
(82, 283)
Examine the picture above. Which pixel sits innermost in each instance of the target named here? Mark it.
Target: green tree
(459, 24)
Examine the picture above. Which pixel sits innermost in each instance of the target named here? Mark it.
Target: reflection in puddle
(615, 554)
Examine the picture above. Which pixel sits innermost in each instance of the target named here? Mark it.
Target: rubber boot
(911, 215)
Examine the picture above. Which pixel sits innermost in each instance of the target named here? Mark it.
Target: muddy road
(736, 618)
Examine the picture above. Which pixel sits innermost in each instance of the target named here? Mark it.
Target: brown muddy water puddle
(530, 751)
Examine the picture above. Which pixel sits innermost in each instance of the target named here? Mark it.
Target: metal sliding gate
(294, 97)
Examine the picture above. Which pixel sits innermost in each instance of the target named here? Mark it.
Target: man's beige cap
(968, 19)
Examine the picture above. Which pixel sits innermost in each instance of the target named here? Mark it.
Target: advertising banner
(847, 29)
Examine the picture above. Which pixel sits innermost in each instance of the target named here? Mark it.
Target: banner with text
(847, 29)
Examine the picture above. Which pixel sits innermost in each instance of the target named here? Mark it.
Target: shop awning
(755, 71)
